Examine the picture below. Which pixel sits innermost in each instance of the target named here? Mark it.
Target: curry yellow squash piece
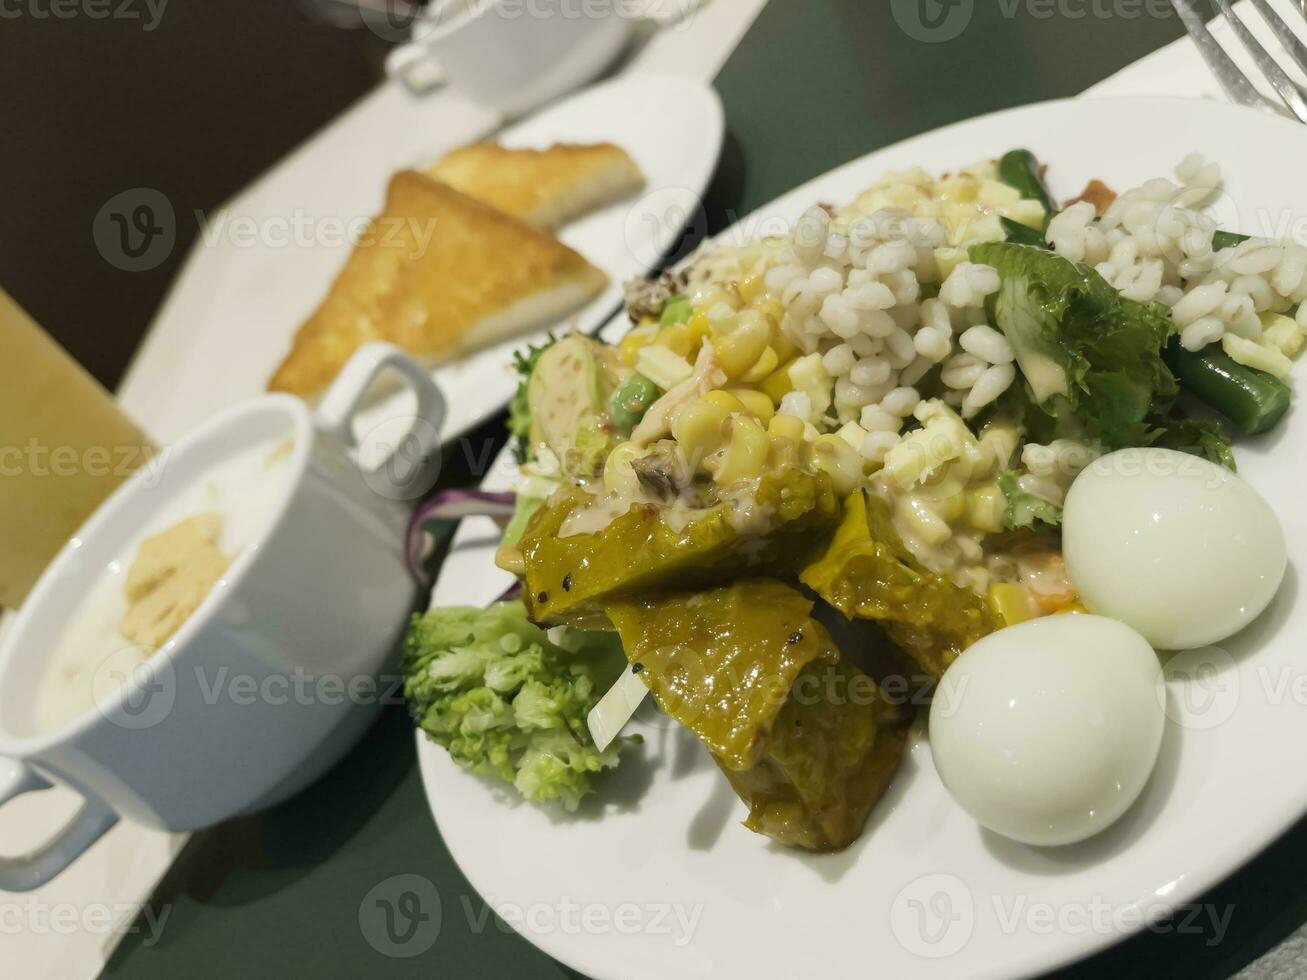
(830, 757)
(781, 527)
(805, 739)
(867, 573)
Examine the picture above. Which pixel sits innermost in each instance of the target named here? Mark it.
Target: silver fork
(1238, 86)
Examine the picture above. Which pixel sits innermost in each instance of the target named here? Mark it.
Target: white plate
(924, 893)
(270, 260)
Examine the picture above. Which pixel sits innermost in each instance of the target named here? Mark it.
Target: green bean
(1020, 234)
(1253, 400)
(1020, 169)
(630, 401)
(677, 309)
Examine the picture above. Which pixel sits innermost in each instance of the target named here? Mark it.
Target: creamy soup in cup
(271, 672)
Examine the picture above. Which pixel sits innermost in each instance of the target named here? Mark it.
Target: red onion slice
(449, 506)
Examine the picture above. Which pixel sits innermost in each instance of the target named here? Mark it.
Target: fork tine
(1284, 33)
(1281, 82)
(1232, 79)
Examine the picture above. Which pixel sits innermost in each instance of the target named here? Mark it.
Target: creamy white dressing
(595, 516)
(92, 658)
(743, 512)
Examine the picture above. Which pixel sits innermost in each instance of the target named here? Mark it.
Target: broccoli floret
(491, 687)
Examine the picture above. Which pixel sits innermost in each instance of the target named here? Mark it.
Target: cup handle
(22, 874)
(415, 68)
(420, 443)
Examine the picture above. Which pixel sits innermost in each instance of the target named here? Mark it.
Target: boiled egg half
(1047, 731)
(1175, 546)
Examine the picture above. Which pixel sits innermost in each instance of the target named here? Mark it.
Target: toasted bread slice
(438, 274)
(545, 188)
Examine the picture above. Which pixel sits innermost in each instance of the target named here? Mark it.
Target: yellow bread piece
(173, 572)
(438, 274)
(546, 188)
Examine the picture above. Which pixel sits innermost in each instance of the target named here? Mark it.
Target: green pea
(630, 401)
(678, 309)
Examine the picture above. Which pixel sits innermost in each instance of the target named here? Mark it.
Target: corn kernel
(725, 400)
(786, 349)
(1075, 607)
(746, 453)
(619, 477)
(630, 345)
(948, 259)
(998, 441)
(809, 373)
(783, 452)
(945, 497)
(771, 309)
(985, 506)
(752, 287)
(675, 337)
(833, 456)
(763, 367)
(1283, 333)
(700, 328)
(1011, 602)
(755, 403)
(698, 430)
(739, 350)
(786, 427)
(778, 384)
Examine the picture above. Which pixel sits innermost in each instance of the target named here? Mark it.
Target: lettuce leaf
(519, 408)
(1091, 358)
(1201, 438)
(1024, 509)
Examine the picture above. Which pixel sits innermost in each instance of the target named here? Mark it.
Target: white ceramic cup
(512, 55)
(273, 677)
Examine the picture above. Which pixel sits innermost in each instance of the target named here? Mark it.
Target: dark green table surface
(813, 84)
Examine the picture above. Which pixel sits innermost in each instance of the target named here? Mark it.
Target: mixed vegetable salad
(865, 428)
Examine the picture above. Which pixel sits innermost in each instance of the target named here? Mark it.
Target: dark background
(197, 107)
